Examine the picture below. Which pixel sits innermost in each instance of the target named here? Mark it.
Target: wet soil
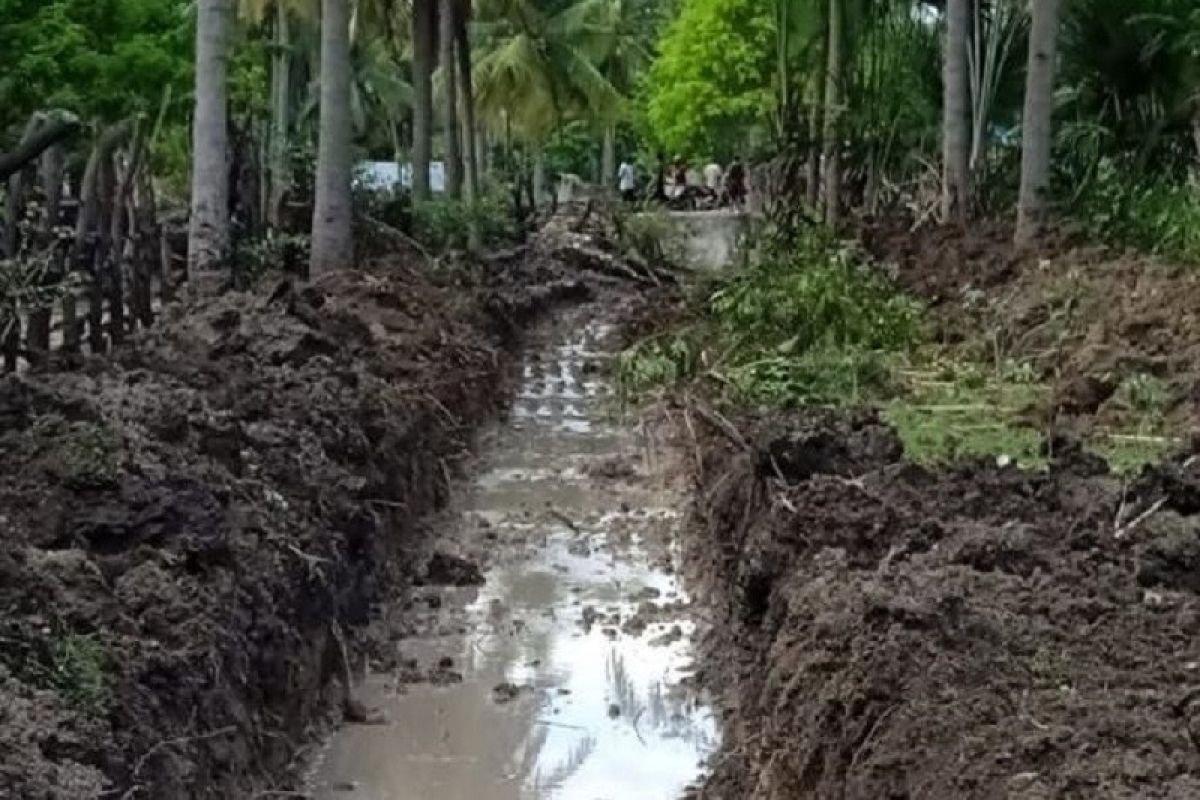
(564, 671)
(889, 631)
(1087, 317)
(199, 531)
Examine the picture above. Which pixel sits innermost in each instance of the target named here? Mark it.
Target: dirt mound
(194, 530)
(888, 631)
(1087, 317)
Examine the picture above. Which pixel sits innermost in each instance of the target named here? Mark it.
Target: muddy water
(575, 652)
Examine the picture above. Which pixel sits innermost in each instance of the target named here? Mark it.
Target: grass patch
(950, 409)
(76, 666)
(810, 326)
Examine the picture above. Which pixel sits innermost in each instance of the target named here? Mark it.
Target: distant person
(678, 177)
(735, 183)
(627, 181)
(713, 175)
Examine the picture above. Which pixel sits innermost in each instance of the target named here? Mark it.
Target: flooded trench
(565, 673)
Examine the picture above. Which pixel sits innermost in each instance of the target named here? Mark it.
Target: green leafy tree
(712, 77)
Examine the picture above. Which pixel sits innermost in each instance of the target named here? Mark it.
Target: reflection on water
(576, 646)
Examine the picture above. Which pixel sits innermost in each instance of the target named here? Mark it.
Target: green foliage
(1156, 214)
(79, 669)
(809, 325)
(948, 409)
(75, 665)
(442, 224)
(817, 297)
(712, 76)
(99, 58)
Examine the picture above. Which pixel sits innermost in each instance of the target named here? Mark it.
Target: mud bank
(196, 532)
(887, 631)
(1086, 317)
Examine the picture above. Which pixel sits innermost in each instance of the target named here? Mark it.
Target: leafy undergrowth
(812, 326)
(818, 327)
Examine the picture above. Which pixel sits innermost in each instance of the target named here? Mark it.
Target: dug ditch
(563, 670)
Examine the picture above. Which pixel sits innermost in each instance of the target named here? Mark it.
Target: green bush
(1159, 215)
(808, 324)
(442, 224)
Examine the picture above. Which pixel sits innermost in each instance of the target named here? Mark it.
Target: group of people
(726, 185)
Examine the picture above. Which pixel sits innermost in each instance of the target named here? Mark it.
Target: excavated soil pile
(1088, 317)
(193, 530)
(887, 631)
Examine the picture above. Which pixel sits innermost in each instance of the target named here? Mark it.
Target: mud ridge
(883, 630)
(196, 531)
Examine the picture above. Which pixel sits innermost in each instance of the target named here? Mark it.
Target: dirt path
(564, 673)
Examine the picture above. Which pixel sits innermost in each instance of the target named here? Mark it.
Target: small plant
(79, 665)
(806, 324)
(443, 224)
(1145, 394)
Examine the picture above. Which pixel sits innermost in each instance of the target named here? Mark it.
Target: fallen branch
(53, 129)
(391, 232)
(1140, 518)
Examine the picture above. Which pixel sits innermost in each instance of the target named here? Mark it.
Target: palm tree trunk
(956, 139)
(1037, 124)
(608, 157)
(467, 98)
(815, 123)
(281, 62)
(833, 110)
(449, 67)
(208, 231)
(424, 34)
(539, 175)
(332, 243)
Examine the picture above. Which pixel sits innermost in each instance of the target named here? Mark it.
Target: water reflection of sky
(600, 714)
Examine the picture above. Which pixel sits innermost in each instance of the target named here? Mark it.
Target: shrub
(1157, 214)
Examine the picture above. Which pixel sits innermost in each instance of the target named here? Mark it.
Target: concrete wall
(711, 240)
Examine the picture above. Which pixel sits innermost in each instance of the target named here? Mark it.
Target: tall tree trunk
(53, 166)
(608, 157)
(14, 211)
(539, 176)
(815, 123)
(449, 66)
(956, 137)
(1037, 130)
(467, 97)
(833, 113)
(424, 22)
(208, 232)
(332, 243)
(281, 64)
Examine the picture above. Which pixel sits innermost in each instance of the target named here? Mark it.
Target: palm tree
(467, 94)
(833, 112)
(447, 40)
(1037, 130)
(208, 229)
(956, 139)
(424, 32)
(332, 242)
(538, 67)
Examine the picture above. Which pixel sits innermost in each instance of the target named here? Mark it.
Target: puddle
(574, 653)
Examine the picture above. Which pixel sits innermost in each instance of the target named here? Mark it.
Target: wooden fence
(87, 260)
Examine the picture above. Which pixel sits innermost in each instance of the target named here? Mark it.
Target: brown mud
(886, 630)
(197, 532)
(1087, 317)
